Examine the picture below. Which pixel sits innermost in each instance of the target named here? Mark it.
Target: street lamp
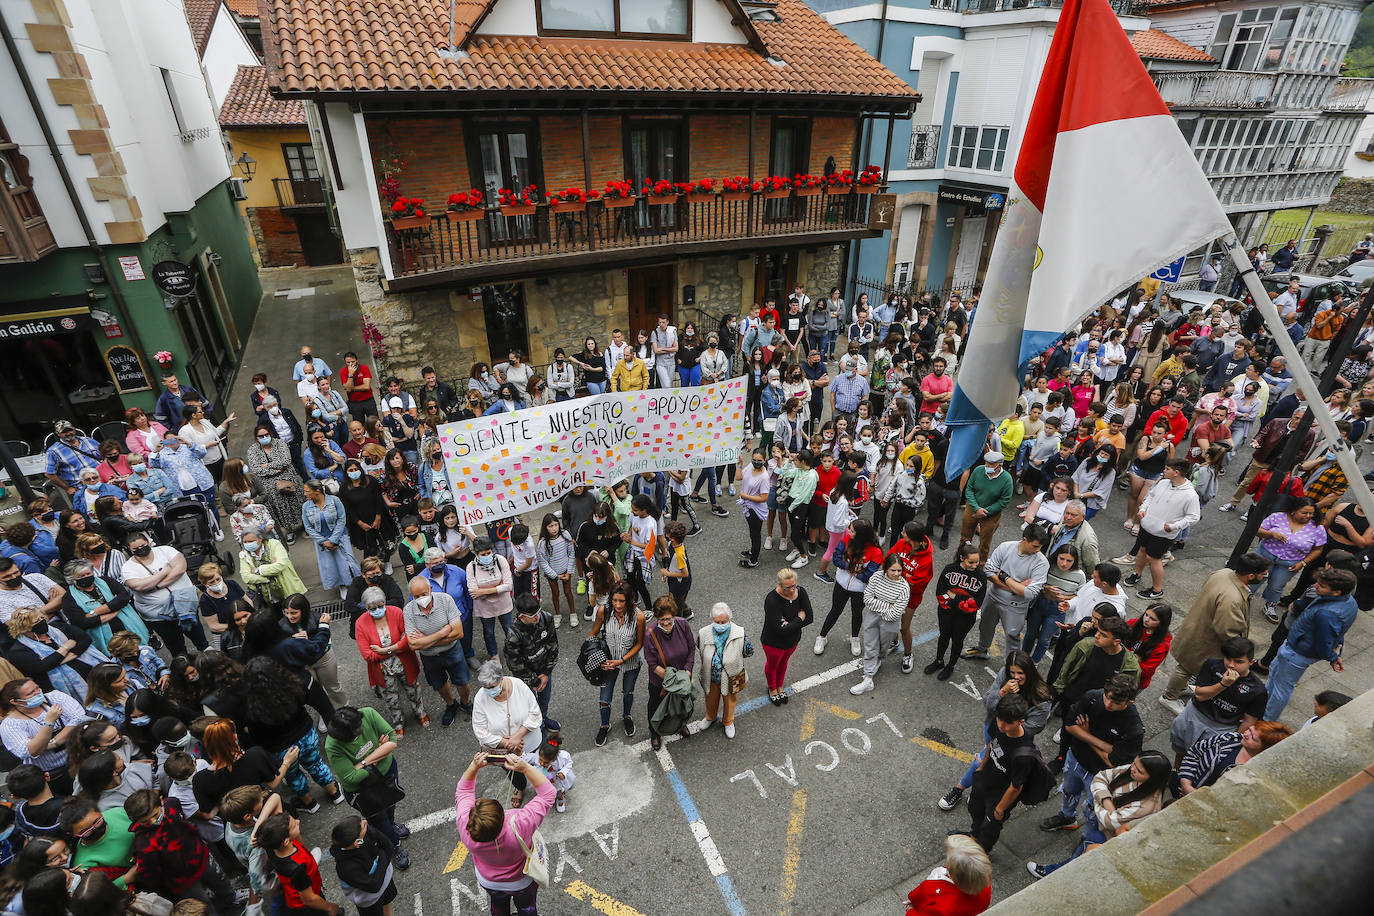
(246, 165)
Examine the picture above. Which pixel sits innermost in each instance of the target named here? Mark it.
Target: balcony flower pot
(865, 189)
(778, 194)
(618, 203)
(809, 192)
(517, 209)
(410, 222)
(735, 195)
(571, 206)
(661, 200)
(465, 216)
(700, 196)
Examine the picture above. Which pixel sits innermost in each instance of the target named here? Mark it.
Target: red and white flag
(1105, 191)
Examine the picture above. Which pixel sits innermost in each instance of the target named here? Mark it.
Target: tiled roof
(247, 103)
(1153, 44)
(316, 46)
(248, 9)
(201, 15)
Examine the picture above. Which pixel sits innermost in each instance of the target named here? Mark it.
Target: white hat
(396, 403)
(993, 457)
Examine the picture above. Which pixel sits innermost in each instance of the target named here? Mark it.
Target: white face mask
(426, 601)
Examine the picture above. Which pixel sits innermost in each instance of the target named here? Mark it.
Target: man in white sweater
(1016, 573)
(1167, 510)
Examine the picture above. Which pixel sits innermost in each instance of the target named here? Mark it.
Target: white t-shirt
(307, 389)
(644, 531)
(520, 554)
(154, 603)
(33, 592)
(1090, 596)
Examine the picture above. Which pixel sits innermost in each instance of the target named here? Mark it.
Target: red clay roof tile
(247, 104)
(1153, 44)
(201, 15)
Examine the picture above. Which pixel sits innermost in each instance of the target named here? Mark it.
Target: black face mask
(143, 551)
(41, 628)
(757, 463)
(95, 834)
(373, 577)
(84, 582)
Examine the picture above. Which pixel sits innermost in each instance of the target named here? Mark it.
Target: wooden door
(653, 292)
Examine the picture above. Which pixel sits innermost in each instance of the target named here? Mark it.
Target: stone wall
(820, 269)
(276, 239)
(562, 311)
(1353, 195)
(724, 284)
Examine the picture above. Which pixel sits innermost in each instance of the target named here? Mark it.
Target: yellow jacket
(630, 376)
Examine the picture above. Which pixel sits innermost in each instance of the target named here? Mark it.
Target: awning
(45, 317)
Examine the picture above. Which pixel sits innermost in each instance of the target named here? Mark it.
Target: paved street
(823, 806)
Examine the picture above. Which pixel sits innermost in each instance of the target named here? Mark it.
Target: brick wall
(279, 244)
(718, 147)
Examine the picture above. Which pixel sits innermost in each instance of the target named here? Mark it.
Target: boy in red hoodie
(171, 858)
(918, 568)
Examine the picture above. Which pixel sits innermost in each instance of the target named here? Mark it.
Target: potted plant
(571, 200)
(869, 180)
(466, 206)
(808, 185)
(839, 181)
(775, 186)
(699, 190)
(408, 213)
(519, 202)
(737, 188)
(662, 192)
(164, 359)
(618, 194)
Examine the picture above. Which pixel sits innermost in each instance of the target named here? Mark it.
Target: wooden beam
(586, 149)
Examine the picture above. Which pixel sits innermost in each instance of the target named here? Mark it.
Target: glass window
(1001, 149)
(986, 147)
(1225, 27)
(578, 15)
(1278, 38)
(654, 17)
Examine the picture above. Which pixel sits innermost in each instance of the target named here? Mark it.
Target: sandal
(656, 742)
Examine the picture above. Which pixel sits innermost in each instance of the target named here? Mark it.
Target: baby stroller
(193, 533)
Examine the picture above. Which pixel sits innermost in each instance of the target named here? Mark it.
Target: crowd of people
(140, 764)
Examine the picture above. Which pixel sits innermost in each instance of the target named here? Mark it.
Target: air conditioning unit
(237, 190)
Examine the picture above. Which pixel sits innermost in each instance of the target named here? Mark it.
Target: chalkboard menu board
(126, 368)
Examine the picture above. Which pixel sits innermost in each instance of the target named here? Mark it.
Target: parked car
(1359, 274)
(1312, 289)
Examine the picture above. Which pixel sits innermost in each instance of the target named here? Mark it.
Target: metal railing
(299, 192)
(454, 242)
(924, 151)
(1216, 89)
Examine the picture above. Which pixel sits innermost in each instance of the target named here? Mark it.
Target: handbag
(379, 793)
(737, 682)
(536, 857)
(286, 486)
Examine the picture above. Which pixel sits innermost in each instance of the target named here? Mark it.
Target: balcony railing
(450, 247)
(925, 146)
(1216, 89)
(1122, 7)
(299, 192)
(1349, 94)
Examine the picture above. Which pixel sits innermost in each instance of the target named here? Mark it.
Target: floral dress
(285, 505)
(404, 491)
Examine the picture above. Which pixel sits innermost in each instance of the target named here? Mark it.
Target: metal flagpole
(1345, 456)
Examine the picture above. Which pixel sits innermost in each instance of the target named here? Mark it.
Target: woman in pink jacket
(494, 835)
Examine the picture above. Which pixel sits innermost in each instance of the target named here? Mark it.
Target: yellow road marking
(838, 711)
(808, 726)
(937, 747)
(455, 861)
(791, 863)
(603, 903)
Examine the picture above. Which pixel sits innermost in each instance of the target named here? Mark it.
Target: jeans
(830, 344)
(525, 900)
(1091, 834)
(542, 698)
(596, 387)
(1284, 672)
(628, 678)
(1279, 574)
(1040, 627)
(816, 342)
(707, 475)
(1075, 784)
(561, 396)
(489, 630)
(966, 780)
(689, 377)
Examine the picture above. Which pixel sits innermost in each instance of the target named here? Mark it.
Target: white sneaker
(819, 647)
(1174, 706)
(800, 562)
(855, 648)
(732, 490)
(791, 556)
(1167, 558)
(729, 731)
(864, 686)
(768, 543)
(704, 724)
(572, 621)
(555, 621)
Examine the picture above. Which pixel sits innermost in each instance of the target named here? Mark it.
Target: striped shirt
(1209, 758)
(887, 597)
(17, 731)
(442, 611)
(556, 556)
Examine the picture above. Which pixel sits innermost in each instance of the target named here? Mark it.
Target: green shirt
(113, 850)
(990, 494)
(342, 755)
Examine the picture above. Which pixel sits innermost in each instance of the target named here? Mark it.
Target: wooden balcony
(1216, 89)
(463, 248)
(1349, 94)
(299, 193)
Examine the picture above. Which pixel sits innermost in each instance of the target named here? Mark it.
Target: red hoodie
(918, 566)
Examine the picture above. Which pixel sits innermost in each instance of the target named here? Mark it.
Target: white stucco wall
(710, 21)
(356, 204)
(225, 52)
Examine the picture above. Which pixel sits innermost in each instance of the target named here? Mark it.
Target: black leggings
(677, 502)
(901, 514)
(837, 601)
(637, 581)
(954, 626)
(755, 535)
(797, 519)
(880, 513)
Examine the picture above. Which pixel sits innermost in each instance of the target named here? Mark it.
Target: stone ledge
(1156, 862)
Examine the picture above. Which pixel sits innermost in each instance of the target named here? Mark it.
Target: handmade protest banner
(510, 463)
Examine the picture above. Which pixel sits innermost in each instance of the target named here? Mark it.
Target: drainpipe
(852, 272)
(96, 248)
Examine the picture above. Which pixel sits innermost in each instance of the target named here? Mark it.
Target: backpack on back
(1040, 782)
